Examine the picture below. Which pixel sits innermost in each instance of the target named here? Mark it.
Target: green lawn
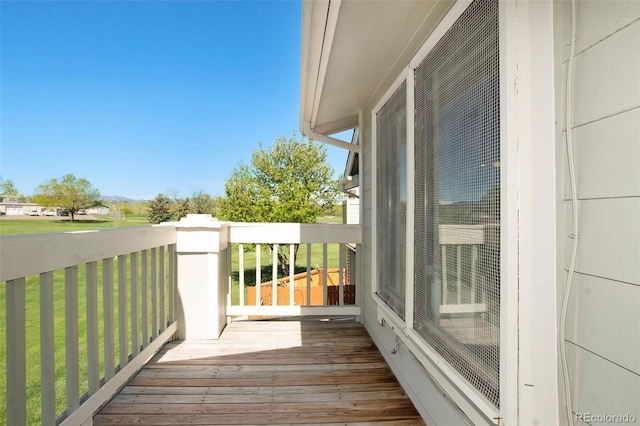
(10, 226)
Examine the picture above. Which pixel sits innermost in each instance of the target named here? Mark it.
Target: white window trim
(405, 76)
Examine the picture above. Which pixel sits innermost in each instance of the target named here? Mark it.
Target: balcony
(143, 311)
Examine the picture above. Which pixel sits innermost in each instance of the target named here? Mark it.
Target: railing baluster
(474, 260)
(274, 276)
(47, 351)
(162, 290)
(459, 273)
(135, 328)
(172, 281)
(341, 268)
(258, 277)
(71, 338)
(16, 352)
(324, 274)
(292, 267)
(108, 318)
(144, 284)
(154, 293)
(93, 369)
(308, 274)
(445, 289)
(122, 310)
(241, 272)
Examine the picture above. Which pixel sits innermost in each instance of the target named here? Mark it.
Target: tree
(160, 209)
(203, 203)
(289, 181)
(182, 208)
(8, 189)
(68, 192)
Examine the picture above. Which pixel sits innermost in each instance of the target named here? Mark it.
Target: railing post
(201, 299)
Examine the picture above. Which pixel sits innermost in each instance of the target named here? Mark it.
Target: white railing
(85, 310)
(468, 303)
(467, 295)
(319, 287)
(54, 268)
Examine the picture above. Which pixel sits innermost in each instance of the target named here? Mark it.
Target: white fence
(314, 241)
(142, 316)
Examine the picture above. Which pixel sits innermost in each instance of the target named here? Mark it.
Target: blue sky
(145, 97)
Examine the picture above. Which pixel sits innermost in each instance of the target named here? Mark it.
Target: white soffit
(368, 41)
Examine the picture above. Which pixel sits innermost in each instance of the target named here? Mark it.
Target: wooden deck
(266, 372)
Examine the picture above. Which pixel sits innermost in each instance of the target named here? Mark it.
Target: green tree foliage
(202, 203)
(8, 189)
(68, 192)
(182, 208)
(290, 181)
(131, 207)
(160, 209)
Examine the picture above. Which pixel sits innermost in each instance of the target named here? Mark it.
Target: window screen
(391, 146)
(457, 167)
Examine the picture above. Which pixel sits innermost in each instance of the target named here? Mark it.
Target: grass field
(9, 226)
(32, 226)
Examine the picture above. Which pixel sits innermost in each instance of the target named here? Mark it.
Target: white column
(201, 301)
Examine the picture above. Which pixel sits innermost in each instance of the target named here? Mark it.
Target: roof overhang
(350, 48)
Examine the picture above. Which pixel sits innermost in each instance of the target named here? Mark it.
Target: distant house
(98, 210)
(471, 116)
(11, 208)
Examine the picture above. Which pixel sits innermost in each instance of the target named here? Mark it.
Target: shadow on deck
(266, 372)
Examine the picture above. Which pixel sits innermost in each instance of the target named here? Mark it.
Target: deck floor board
(266, 372)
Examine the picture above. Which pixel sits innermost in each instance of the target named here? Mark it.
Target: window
(391, 200)
(457, 204)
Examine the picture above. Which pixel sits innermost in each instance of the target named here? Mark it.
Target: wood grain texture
(266, 372)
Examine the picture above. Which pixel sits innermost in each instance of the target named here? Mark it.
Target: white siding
(609, 243)
(612, 147)
(605, 388)
(595, 311)
(603, 322)
(607, 72)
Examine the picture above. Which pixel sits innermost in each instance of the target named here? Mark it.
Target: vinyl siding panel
(606, 76)
(607, 148)
(599, 306)
(603, 18)
(603, 321)
(602, 387)
(609, 243)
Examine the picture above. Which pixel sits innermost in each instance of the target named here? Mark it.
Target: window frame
(468, 398)
(406, 76)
